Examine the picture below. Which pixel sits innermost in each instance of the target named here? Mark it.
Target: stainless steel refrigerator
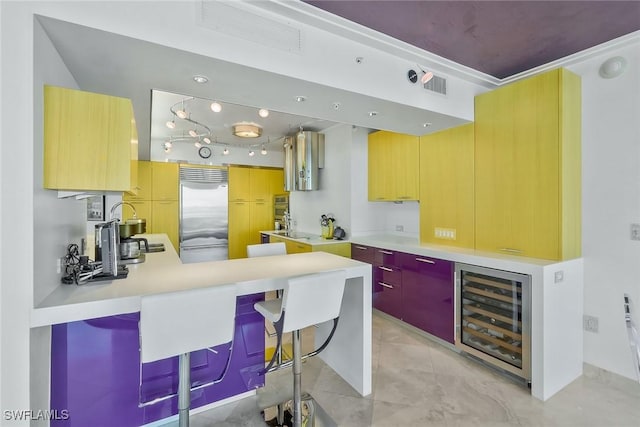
(204, 223)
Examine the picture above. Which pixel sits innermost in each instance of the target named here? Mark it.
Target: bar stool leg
(184, 389)
(297, 380)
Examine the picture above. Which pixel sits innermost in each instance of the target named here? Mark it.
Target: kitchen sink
(293, 234)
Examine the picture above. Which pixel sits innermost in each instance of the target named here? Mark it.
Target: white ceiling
(117, 65)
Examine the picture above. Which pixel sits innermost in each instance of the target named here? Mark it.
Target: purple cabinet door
(96, 375)
(427, 295)
(387, 290)
(362, 253)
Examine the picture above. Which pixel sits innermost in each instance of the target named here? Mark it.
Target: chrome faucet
(113, 209)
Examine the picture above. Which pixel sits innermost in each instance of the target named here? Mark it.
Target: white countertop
(302, 237)
(163, 272)
(470, 256)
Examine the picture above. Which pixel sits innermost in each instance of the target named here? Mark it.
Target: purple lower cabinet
(387, 290)
(96, 374)
(427, 295)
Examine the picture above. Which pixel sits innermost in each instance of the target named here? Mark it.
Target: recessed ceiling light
(300, 98)
(216, 107)
(225, 151)
(200, 79)
(426, 125)
(263, 112)
(263, 151)
(251, 153)
(372, 113)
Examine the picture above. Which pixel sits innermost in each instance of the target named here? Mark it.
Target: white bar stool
(307, 300)
(266, 249)
(177, 323)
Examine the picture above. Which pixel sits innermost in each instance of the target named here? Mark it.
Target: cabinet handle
(385, 285)
(428, 261)
(168, 202)
(404, 197)
(385, 268)
(362, 248)
(385, 252)
(511, 250)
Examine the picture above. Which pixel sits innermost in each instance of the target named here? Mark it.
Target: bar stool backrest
(266, 249)
(312, 299)
(180, 322)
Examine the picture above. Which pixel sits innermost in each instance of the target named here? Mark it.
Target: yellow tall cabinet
(156, 199)
(90, 141)
(447, 187)
(527, 167)
(251, 192)
(394, 166)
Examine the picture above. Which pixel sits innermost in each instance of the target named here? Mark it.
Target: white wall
(611, 202)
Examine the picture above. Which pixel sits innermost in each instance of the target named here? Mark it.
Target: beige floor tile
(418, 382)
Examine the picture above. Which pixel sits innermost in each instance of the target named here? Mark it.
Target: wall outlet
(59, 263)
(590, 323)
(558, 276)
(445, 233)
(635, 231)
(399, 228)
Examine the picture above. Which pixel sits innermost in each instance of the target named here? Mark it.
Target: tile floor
(417, 382)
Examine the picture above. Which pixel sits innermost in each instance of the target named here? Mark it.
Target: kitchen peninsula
(349, 353)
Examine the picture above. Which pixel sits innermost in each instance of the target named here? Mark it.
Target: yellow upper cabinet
(143, 187)
(239, 187)
(527, 167)
(89, 141)
(165, 180)
(446, 187)
(255, 184)
(394, 170)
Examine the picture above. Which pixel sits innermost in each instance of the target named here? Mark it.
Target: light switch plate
(635, 231)
(445, 233)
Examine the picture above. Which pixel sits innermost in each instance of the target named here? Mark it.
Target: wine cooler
(493, 317)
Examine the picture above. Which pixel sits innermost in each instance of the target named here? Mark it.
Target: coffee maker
(106, 251)
(131, 248)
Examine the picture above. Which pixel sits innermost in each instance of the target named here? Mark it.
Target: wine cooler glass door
(494, 317)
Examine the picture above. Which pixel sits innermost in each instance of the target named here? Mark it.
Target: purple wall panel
(95, 370)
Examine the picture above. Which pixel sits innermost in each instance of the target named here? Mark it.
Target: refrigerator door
(203, 219)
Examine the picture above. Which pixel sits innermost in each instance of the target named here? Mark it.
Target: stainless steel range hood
(303, 156)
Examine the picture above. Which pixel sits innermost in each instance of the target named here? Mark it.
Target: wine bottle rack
(493, 317)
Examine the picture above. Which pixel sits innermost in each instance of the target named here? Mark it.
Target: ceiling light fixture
(263, 151)
(263, 112)
(207, 140)
(181, 113)
(247, 130)
(171, 124)
(426, 125)
(426, 77)
(251, 153)
(300, 98)
(197, 144)
(372, 113)
(216, 107)
(200, 79)
(225, 151)
(193, 133)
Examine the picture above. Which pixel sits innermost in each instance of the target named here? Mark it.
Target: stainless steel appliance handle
(428, 261)
(385, 285)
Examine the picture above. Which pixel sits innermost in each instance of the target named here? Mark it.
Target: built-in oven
(280, 206)
(493, 317)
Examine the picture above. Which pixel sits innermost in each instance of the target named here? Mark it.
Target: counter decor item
(326, 224)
